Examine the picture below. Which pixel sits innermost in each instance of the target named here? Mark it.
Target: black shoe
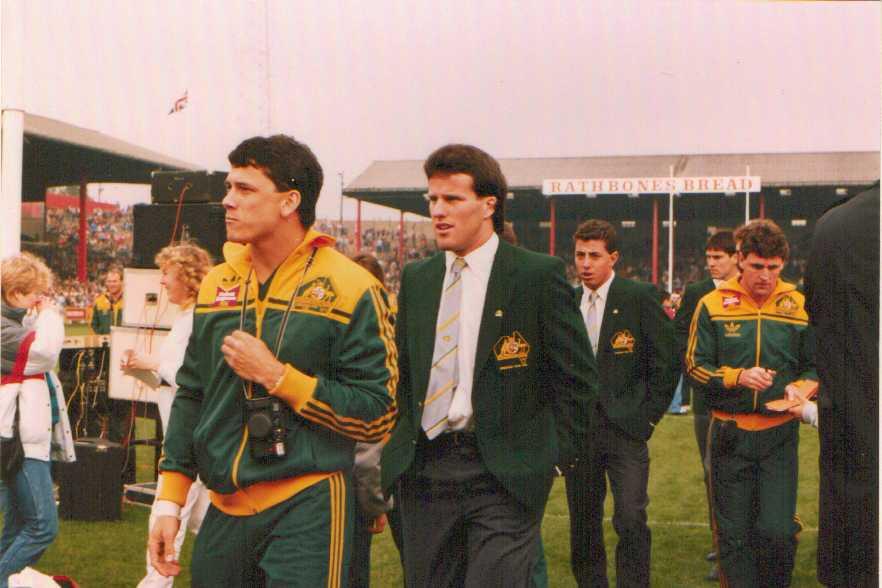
(714, 574)
(712, 556)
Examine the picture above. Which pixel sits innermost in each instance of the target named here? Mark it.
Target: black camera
(266, 429)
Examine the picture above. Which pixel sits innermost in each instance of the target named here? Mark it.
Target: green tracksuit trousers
(302, 542)
(753, 484)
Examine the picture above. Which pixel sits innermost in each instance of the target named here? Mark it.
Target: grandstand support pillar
(655, 240)
(12, 161)
(82, 250)
(401, 239)
(762, 205)
(671, 238)
(552, 232)
(358, 225)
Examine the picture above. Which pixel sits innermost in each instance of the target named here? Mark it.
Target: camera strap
(247, 387)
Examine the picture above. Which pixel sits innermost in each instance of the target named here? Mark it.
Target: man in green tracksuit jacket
(750, 343)
(107, 309)
(291, 361)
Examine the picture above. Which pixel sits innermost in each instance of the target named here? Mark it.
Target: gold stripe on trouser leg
(338, 518)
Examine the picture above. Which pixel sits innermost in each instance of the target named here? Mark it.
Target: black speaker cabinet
(154, 223)
(90, 489)
(169, 187)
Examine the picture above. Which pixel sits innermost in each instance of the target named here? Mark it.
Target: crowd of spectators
(110, 243)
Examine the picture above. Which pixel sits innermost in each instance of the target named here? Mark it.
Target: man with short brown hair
(492, 392)
(633, 343)
(750, 343)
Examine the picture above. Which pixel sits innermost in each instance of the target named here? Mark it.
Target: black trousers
(626, 462)
(701, 424)
(461, 527)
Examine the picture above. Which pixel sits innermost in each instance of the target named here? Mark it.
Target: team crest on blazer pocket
(622, 342)
(511, 351)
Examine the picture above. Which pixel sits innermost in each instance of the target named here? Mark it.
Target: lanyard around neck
(246, 388)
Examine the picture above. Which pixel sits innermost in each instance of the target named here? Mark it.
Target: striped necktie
(444, 375)
(591, 323)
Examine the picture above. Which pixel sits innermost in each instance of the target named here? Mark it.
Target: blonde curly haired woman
(183, 266)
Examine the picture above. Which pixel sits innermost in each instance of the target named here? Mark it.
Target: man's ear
(490, 209)
(614, 256)
(291, 203)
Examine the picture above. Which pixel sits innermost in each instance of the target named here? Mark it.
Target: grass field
(111, 554)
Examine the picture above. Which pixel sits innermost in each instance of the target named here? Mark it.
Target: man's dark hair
(721, 241)
(371, 264)
(598, 230)
(765, 239)
(290, 165)
(487, 178)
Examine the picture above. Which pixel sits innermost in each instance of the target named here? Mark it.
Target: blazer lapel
(499, 290)
(612, 297)
(421, 331)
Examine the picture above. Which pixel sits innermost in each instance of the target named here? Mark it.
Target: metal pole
(358, 226)
(671, 238)
(401, 239)
(82, 249)
(13, 50)
(762, 204)
(552, 226)
(340, 175)
(747, 201)
(12, 164)
(655, 240)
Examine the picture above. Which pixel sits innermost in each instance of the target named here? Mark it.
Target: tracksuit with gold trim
(282, 520)
(105, 314)
(753, 451)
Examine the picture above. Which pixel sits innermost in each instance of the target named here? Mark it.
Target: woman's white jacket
(39, 437)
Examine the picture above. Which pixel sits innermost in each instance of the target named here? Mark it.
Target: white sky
(393, 79)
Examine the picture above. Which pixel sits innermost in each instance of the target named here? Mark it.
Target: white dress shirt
(599, 304)
(475, 277)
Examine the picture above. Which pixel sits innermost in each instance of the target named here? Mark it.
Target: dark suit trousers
(461, 527)
(626, 462)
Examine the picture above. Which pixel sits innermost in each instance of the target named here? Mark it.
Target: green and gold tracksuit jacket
(106, 314)
(338, 388)
(729, 333)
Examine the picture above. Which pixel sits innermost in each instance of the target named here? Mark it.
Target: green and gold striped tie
(444, 375)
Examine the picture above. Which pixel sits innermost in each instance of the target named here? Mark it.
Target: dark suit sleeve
(569, 369)
(662, 367)
(682, 321)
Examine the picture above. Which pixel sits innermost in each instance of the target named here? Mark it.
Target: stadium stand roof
(58, 154)
(401, 184)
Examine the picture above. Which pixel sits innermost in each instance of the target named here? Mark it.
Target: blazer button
(414, 441)
(420, 404)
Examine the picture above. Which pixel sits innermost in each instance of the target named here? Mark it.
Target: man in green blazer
(633, 341)
(496, 385)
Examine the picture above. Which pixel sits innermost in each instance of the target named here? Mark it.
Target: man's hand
(251, 359)
(756, 378)
(161, 545)
(792, 392)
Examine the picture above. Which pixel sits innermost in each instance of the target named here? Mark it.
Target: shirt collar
(602, 291)
(479, 261)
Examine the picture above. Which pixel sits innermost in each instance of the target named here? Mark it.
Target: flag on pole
(180, 104)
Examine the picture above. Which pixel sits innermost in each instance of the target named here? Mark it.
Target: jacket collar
(238, 256)
(734, 285)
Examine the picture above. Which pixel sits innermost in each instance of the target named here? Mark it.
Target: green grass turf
(111, 554)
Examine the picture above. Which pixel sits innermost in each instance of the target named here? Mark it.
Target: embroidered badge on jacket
(512, 351)
(623, 342)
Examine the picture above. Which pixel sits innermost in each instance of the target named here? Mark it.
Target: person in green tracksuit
(107, 308)
(722, 265)
(291, 361)
(750, 343)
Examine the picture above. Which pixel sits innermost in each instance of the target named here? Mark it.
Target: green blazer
(531, 401)
(693, 293)
(635, 358)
